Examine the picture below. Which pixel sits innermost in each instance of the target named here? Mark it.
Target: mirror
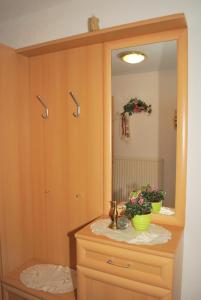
(144, 143)
(179, 37)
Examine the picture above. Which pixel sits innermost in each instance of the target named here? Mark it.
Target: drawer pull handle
(110, 262)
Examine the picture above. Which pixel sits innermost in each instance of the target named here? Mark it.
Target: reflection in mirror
(144, 144)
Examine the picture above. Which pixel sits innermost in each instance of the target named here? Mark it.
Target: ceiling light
(132, 57)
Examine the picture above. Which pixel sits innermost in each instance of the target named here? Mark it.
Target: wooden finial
(93, 24)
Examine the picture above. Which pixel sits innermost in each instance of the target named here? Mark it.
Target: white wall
(144, 128)
(70, 18)
(151, 136)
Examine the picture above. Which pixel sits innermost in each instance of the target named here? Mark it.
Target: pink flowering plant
(152, 194)
(137, 205)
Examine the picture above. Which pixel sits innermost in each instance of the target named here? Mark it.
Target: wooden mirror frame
(180, 35)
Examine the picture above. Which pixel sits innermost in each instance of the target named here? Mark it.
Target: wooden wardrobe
(51, 169)
(54, 171)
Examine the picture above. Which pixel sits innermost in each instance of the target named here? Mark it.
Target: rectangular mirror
(154, 152)
(144, 106)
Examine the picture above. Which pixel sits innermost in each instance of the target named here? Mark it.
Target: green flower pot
(141, 222)
(156, 207)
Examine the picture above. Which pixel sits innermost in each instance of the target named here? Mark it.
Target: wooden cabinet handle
(110, 262)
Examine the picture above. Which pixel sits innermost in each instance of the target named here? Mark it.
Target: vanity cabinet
(109, 269)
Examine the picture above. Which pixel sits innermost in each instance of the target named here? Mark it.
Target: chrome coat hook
(45, 113)
(77, 113)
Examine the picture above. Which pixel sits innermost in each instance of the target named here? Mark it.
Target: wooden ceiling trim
(160, 24)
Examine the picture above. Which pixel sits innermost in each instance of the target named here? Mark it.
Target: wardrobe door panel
(67, 169)
(38, 157)
(15, 185)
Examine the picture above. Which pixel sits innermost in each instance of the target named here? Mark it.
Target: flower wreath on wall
(134, 105)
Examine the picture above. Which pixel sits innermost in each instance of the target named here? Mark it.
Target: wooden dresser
(115, 270)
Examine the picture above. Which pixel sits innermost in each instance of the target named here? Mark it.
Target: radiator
(131, 174)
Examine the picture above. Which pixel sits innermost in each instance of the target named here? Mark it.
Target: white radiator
(130, 174)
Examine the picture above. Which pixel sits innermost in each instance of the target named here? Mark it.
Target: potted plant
(133, 106)
(138, 210)
(155, 196)
(136, 105)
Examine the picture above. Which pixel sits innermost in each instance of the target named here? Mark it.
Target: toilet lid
(50, 278)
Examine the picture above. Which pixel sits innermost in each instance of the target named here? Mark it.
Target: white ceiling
(17, 8)
(160, 56)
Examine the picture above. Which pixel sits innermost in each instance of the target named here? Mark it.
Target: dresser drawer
(141, 267)
(96, 285)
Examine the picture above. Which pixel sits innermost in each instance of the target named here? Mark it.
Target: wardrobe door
(67, 151)
(15, 195)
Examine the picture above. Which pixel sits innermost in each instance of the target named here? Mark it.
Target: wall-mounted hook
(45, 113)
(77, 113)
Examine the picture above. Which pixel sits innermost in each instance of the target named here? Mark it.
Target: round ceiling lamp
(132, 57)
